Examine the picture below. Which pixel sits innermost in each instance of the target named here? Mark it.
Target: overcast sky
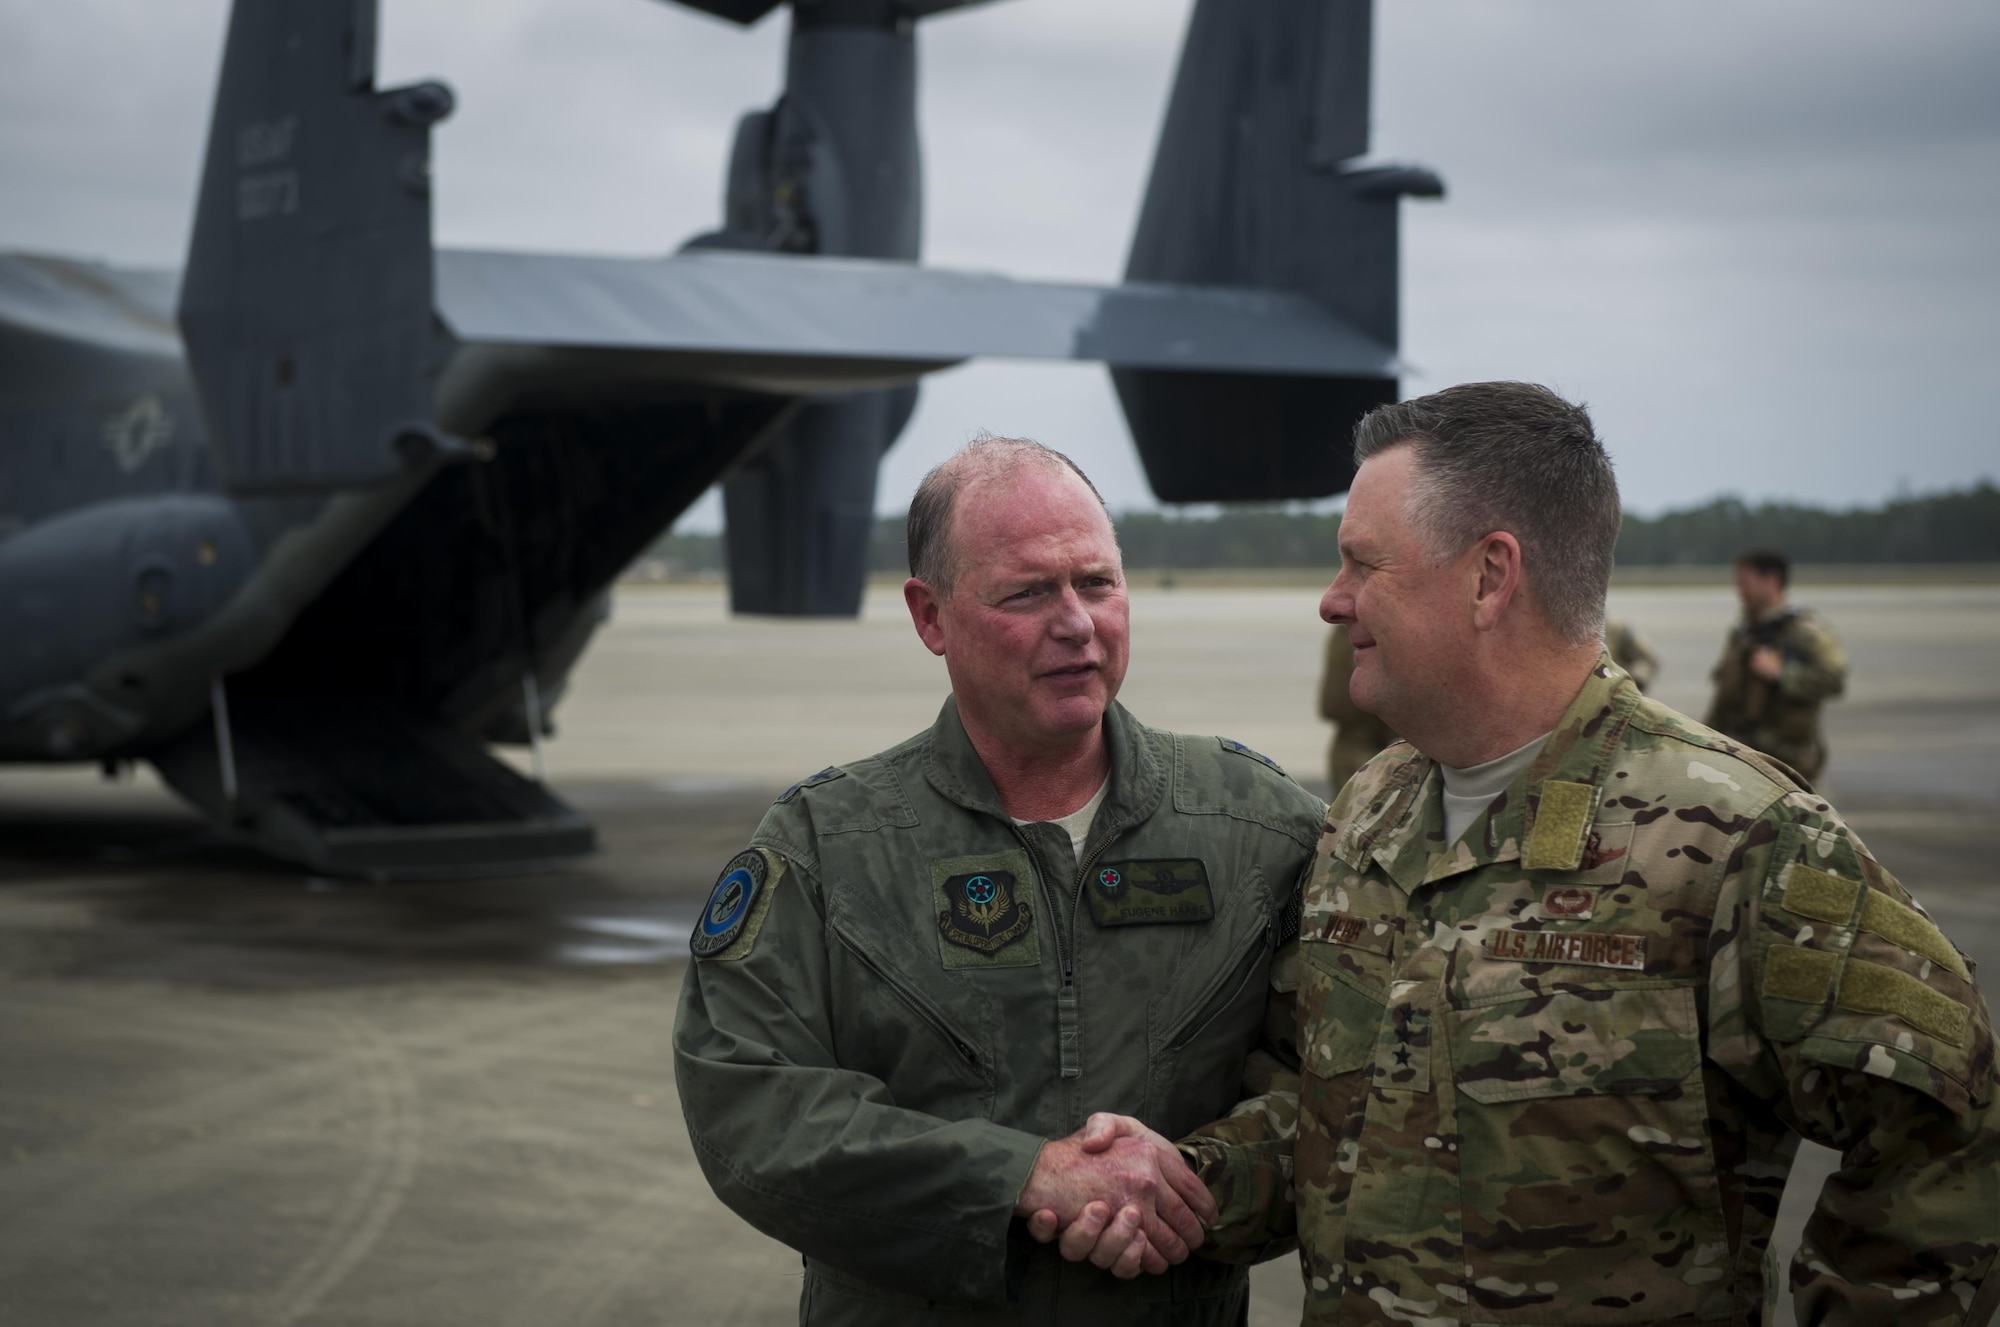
(1759, 240)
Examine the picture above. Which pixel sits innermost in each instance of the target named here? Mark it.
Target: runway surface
(232, 1093)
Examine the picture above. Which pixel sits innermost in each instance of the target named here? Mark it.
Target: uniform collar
(1138, 777)
(1541, 818)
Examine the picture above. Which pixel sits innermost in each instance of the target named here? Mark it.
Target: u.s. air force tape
(730, 904)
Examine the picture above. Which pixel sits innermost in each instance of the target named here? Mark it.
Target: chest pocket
(1582, 1123)
(1342, 990)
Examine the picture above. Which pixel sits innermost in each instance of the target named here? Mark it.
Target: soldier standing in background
(1779, 666)
(1630, 653)
(1357, 734)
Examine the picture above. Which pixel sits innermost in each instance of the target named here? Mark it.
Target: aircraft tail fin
(1259, 181)
(306, 306)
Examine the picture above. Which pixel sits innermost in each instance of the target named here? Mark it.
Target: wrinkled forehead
(1027, 505)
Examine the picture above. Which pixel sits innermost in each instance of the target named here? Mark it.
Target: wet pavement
(234, 1093)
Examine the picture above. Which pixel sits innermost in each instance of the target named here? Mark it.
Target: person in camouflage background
(1631, 653)
(1778, 667)
(1546, 1060)
(931, 965)
(1357, 734)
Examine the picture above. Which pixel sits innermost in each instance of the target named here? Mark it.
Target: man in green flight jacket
(930, 967)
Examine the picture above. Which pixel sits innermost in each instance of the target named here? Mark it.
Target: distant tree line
(1956, 526)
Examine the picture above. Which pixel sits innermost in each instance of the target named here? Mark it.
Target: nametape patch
(1149, 892)
(1595, 949)
(1344, 928)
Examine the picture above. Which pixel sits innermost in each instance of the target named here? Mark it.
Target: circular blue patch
(980, 890)
(729, 904)
(1110, 878)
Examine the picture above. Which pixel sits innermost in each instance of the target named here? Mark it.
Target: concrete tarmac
(233, 1093)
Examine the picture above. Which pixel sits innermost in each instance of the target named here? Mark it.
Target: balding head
(986, 459)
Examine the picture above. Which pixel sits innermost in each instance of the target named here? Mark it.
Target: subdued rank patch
(736, 907)
(1258, 756)
(1596, 949)
(1562, 816)
(827, 775)
(1149, 892)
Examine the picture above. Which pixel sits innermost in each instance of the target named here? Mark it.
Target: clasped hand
(1117, 1195)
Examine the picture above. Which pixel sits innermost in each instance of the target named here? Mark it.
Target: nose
(1072, 619)
(1337, 604)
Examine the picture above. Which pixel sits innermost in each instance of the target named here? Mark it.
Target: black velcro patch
(1150, 892)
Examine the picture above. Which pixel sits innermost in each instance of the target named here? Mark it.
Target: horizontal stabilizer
(778, 323)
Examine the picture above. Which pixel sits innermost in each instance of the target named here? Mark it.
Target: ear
(926, 613)
(1498, 561)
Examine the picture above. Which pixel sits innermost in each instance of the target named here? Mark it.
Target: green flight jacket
(1554, 1073)
(906, 994)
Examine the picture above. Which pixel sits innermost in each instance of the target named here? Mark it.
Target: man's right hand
(1121, 1198)
(1119, 1194)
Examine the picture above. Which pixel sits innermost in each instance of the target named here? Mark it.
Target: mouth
(1071, 672)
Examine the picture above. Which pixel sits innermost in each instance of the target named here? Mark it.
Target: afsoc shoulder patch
(1258, 756)
(827, 775)
(737, 906)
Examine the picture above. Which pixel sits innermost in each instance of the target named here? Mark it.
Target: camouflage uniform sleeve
(1835, 999)
(1815, 665)
(820, 1156)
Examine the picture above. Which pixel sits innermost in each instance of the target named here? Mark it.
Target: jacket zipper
(1068, 1015)
(918, 1005)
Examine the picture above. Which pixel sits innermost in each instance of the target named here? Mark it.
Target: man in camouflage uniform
(1778, 667)
(1631, 653)
(1545, 1059)
(1357, 734)
(930, 963)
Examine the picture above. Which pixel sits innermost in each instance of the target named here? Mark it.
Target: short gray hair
(1511, 456)
(933, 560)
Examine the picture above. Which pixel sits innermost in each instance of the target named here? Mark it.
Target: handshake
(1118, 1195)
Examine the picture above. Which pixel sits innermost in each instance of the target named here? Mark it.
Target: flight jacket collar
(1138, 775)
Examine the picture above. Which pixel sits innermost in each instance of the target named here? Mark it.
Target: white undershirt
(1468, 792)
(1077, 823)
